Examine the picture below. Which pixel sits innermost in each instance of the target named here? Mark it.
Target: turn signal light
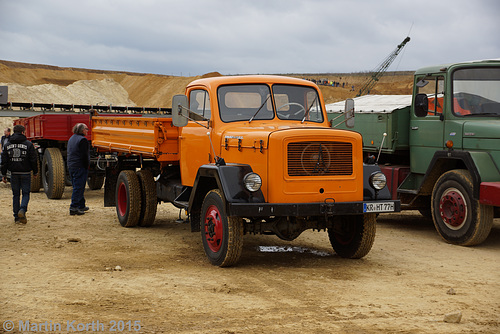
(449, 143)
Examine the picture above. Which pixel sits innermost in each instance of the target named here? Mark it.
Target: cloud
(199, 36)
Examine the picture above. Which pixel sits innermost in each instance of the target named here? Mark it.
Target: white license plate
(378, 207)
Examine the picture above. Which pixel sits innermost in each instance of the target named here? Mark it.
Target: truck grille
(319, 158)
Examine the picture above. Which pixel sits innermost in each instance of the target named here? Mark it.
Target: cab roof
(249, 79)
(444, 67)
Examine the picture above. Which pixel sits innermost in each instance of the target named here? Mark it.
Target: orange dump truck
(245, 155)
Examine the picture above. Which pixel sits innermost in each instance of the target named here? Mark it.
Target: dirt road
(59, 273)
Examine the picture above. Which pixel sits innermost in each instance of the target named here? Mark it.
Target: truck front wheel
(128, 198)
(222, 236)
(352, 236)
(457, 216)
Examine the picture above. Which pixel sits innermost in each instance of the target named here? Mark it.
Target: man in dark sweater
(20, 157)
(78, 160)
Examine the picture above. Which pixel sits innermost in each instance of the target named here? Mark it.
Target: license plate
(378, 207)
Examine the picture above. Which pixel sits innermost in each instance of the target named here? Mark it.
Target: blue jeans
(78, 179)
(20, 183)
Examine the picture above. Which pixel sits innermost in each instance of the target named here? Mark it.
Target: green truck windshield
(476, 92)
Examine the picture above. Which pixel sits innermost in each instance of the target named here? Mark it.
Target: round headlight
(252, 182)
(377, 180)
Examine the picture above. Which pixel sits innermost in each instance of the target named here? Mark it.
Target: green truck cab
(440, 151)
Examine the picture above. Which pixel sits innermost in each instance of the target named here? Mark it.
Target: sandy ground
(60, 269)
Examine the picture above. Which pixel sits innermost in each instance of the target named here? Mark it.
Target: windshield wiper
(251, 118)
(308, 109)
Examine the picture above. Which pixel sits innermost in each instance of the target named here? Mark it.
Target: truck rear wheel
(53, 178)
(128, 198)
(353, 236)
(148, 198)
(36, 181)
(457, 216)
(222, 236)
(95, 181)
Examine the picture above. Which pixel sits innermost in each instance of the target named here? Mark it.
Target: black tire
(53, 177)
(352, 237)
(222, 236)
(458, 217)
(128, 198)
(36, 182)
(148, 198)
(95, 181)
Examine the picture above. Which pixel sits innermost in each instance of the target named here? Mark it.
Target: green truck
(439, 147)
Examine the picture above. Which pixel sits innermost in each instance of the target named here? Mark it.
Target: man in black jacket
(78, 166)
(20, 157)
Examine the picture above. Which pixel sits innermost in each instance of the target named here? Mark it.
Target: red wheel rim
(122, 199)
(453, 209)
(213, 228)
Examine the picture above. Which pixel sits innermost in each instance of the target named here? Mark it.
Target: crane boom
(381, 69)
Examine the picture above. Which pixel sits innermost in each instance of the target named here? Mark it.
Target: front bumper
(328, 208)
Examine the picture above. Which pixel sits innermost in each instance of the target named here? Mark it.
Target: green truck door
(426, 137)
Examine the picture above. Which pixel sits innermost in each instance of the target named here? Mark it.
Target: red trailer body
(53, 127)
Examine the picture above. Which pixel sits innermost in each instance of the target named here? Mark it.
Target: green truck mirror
(421, 105)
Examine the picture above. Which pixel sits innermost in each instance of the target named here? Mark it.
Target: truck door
(426, 133)
(194, 141)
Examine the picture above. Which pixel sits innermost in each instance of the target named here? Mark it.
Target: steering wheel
(293, 104)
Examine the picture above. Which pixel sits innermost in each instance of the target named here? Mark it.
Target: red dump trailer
(50, 134)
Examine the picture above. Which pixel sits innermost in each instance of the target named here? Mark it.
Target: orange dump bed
(146, 136)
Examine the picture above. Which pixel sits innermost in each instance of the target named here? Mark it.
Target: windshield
(476, 92)
(254, 102)
(297, 103)
(242, 102)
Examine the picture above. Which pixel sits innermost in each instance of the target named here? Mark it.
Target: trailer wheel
(148, 198)
(353, 236)
(128, 198)
(95, 181)
(36, 182)
(222, 236)
(53, 178)
(458, 217)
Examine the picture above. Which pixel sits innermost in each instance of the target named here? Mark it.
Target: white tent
(373, 103)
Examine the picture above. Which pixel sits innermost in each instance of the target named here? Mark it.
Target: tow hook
(328, 207)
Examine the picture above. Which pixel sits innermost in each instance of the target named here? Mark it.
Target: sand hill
(51, 84)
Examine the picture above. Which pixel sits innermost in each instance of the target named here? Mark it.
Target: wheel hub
(453, 209)
(213, 228)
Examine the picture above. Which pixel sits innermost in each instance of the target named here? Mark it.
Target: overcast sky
(193, 37)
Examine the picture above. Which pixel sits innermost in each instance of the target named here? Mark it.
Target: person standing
(5, 138)
(78, 160)
(20, 157)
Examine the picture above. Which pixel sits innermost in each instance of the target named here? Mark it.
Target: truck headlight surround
(377, 180)
(252, 182)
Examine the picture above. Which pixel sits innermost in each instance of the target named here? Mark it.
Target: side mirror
(4, 90)
(421, 105)
(180, 110)
(349, 113)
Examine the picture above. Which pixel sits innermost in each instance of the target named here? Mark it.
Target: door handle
(414, 127)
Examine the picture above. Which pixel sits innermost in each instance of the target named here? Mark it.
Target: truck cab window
(476, 92)
(297, 103)
(435, 93)
(199, 103)
(245, 103)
